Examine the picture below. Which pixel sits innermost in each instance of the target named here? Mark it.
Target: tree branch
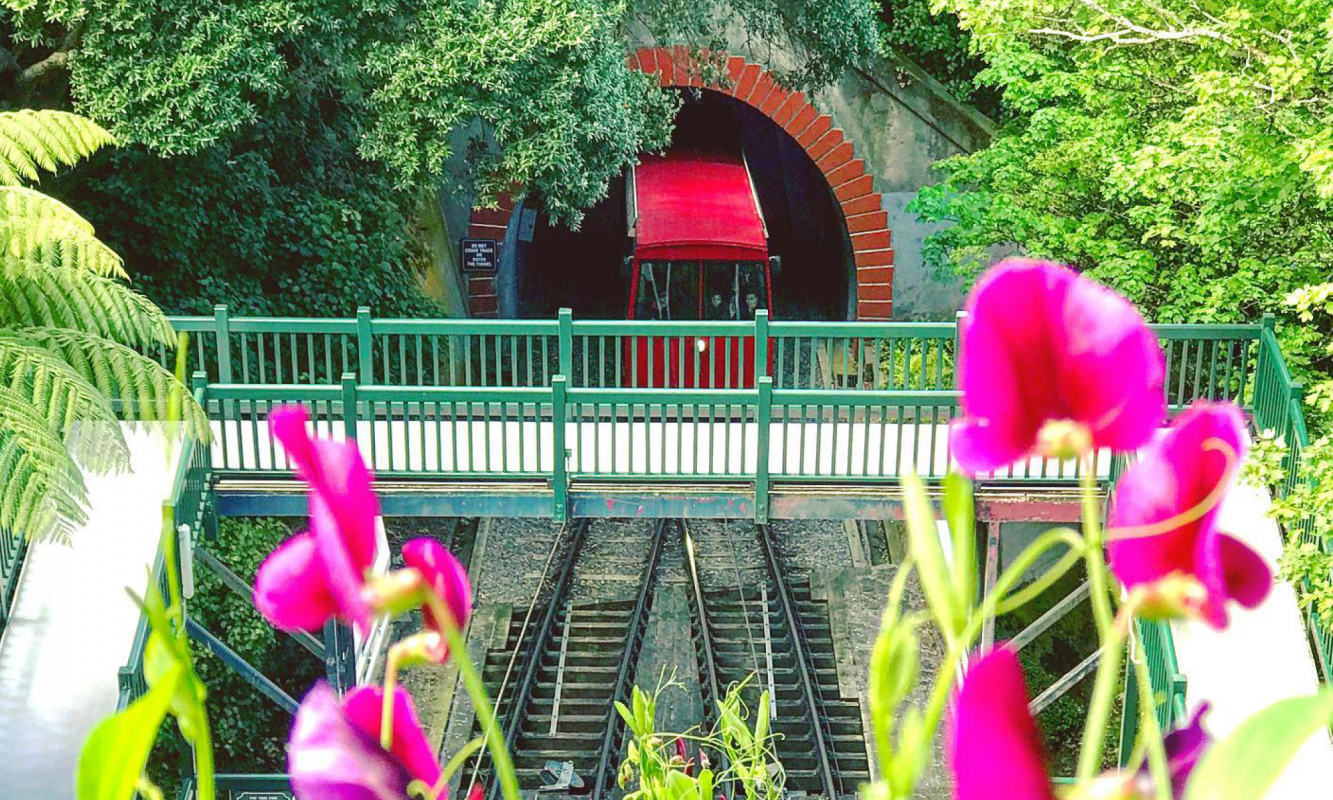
(43, 69)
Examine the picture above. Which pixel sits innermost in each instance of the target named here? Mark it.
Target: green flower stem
(481, 703)
(998, 602)
(463, 754)
(1149, 733)
(391, 663)
(1094, 554)
(1103, 698)
(203, 757)
(203, 746)
(1112, 630)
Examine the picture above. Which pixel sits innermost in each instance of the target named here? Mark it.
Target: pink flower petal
(994, 748)
(1177, 475)
(328, 758)
(290, 588)
(1040, 343)
(1246, 575)
(343, 509)
(446, 577)
(364, 707)
(342, 576)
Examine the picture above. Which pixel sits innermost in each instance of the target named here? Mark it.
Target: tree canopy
(538, 91)
(1181, 152)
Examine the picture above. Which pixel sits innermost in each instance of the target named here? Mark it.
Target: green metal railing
(1277, 408)
(1213, 361)
(189, 503)
(805, 402)
(1167, 683)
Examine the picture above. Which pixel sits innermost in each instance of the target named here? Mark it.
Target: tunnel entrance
(555, 267)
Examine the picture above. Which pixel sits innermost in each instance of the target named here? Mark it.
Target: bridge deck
(73, 624)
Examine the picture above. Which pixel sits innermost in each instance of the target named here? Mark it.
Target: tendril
(1192, 514)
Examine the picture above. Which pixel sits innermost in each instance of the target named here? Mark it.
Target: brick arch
(861, 206)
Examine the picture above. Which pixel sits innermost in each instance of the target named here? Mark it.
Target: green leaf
(159, 661)
(959, 511)
(117, 750)
(924, 541)
(625, 715)
(761, 723)
(1244, 765)
(705, 784)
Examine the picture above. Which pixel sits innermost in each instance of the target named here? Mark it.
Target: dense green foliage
(1181, 153)
(1183, 157)
(933, 41)
(249, 729)
(277, 153)
(69, 331)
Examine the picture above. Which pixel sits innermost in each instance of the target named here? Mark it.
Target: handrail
(1277, 409)
(490, 379)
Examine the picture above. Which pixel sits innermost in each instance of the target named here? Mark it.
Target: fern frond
(35, 295)
(145, 390)
(73, 407)
(41, 228)
(32, 140)
(42, 493)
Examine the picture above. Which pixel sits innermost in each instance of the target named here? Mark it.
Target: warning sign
(480, 255)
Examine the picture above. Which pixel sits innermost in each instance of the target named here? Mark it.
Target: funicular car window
(667, 290)
(733, 290)
(753, 294)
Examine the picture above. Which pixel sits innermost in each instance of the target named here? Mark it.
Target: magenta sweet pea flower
(993, 746)
(1041, 344)
(1181, 477)
(445, 576)
(319, 574)
(1184, 747)
(334, 751)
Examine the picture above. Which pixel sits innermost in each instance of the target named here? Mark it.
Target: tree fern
(43, 494)
(143, 389)
(75, 409)
(68, 328)
(40, 228)
(34, 294)
(45, 139)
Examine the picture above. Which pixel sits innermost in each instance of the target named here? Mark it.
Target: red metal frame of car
(700, 253)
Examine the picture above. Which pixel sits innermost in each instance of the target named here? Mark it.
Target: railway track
(755, 621)
(574, 652)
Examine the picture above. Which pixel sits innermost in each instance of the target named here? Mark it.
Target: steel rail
(638, 622)
(532, 658)
(803, 664)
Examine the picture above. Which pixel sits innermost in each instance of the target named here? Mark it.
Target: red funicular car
(700, 252)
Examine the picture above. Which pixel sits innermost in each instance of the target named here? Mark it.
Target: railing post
(365, 345)
(559, 473)
(760, 344)
(958, 321)
(1291, 411)
(222, 330)
(761, 475)
(349, 406)
(566, 344)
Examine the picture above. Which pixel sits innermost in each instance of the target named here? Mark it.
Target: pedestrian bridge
(763, 420)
